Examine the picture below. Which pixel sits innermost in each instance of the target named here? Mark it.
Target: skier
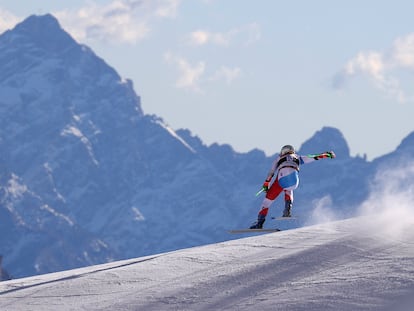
(286, 167)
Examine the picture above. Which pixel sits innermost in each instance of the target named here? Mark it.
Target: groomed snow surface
(364, 263)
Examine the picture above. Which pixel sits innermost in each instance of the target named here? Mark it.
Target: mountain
(344, 265)
(87, 177)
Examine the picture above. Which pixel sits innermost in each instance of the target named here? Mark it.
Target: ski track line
(75, 276)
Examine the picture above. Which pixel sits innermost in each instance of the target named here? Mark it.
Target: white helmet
(287, 149)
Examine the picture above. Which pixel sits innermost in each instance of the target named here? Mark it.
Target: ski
(285, 218)
(254, 230)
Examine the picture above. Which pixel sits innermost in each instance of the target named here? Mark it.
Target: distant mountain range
(87, 177)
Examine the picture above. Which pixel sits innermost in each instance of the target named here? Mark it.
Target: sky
(255, 74)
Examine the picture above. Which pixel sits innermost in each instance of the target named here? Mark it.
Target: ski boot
(258, 224)
(288, 206)
(260, 219)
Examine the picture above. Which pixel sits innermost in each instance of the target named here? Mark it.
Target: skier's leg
(271, 195)
(289, 183)
(261, 217)
(288, 203)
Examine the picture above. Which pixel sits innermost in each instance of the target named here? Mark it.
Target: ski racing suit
(286, 168)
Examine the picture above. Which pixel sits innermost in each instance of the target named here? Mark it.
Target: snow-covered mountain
(87, 177)
(347, 265)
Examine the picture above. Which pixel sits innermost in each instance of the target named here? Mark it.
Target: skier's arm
(270, 174)
(324, 155)
(314, 157)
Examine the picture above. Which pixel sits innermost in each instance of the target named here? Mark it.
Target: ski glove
(328, 154)
(266, 185)
(331, 154)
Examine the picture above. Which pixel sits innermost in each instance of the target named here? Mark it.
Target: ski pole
(260, 191)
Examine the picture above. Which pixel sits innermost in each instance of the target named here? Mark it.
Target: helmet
(287, 149)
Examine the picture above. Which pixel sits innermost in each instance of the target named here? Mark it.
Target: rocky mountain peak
(328, 138)
(43, 32)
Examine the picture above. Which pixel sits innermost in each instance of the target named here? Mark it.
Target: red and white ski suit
(286, 169)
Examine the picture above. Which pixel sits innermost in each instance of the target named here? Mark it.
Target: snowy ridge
(174, 134)
(343, 265)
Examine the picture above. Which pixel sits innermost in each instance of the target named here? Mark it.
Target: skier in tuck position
(286, 168)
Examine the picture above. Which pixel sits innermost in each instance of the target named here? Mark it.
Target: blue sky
(255, 74)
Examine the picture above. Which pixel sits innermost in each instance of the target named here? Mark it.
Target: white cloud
(189, 75)
(125, 21)
(7, 20)
(403, 51)
(202, 37)
(383, 68)
(369, 62)
(247, 34)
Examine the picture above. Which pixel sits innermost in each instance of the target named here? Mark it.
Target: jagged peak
(42, 30)
(328, 138)
(34, 21)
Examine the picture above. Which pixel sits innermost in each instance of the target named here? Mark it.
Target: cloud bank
(120, 21)
(383, 68)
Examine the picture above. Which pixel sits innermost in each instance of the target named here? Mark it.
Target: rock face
(87, 177)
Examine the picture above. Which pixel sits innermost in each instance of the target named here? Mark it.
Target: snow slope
(364, 263)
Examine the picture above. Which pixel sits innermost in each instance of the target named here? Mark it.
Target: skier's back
(286, 169)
